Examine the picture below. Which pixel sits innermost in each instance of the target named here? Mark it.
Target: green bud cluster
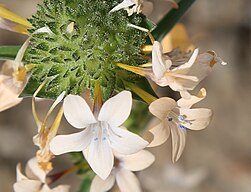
(72, 61)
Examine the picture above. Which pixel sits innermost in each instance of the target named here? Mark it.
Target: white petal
(127, 181)
(99, 185)
(182, 82)
(199, 118)
(100, 157)
(161, 107)
(125, 142)
(69, 143)
(188, 103)
(27, 186)
(178, 141)
(116, 110)
(20, 176)
(122, 5)
(138, 161)
(8, 94)
(191, 60)
(160, 63)
(161, 133)
(77, 112)
(33, 170)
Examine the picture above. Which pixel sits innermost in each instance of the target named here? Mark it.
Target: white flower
(184, 77)
(34, 181)
(176, 119)
(101, 135)
(126, 4)
(122, 173)
(12, 77)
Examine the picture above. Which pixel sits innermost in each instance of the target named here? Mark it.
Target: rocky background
(217, 159)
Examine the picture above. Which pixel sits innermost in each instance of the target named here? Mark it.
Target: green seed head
(72, 59)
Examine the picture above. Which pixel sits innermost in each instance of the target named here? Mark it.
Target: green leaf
(8, 52)
(170, 19)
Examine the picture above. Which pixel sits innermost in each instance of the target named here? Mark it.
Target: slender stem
(170, 19)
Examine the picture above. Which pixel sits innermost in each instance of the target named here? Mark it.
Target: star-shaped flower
(34, 181)
(123, 174)
(101, 134)
(176, 118)
(181, 78)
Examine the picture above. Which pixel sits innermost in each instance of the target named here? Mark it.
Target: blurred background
(217, 159)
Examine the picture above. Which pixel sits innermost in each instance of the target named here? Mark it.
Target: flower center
(179, 120)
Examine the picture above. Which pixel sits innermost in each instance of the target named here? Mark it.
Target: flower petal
(160, 63)
(27, 186)
(99, 185)
(199, 118)
(69, 143)
(127, 181)
(100, 157)
(178, 141)
(20, 176)
(116, 109)
(190, 61)
(188, 103)
(161, 107)
(122, 5)
(33, 170)
(138, 161)
(161, 133)
(125, 142)
(8, 93)
(77, 112)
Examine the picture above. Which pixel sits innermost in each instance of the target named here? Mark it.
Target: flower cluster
(72, 61)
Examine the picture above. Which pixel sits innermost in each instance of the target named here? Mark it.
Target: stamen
(179, 120)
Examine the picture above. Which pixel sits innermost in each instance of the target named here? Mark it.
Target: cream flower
(34, 181)
(131, 6)
(176, 119)
(122, 173)
(184, 77)
(181, 78)
(12, 77)
(102, 134)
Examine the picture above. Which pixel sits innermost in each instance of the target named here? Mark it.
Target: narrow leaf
(8, 52)
(170, 19)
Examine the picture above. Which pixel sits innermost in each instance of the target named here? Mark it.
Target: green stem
(170, 19)
(8, 52)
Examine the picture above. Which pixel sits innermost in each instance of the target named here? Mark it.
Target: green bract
(73, 61)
